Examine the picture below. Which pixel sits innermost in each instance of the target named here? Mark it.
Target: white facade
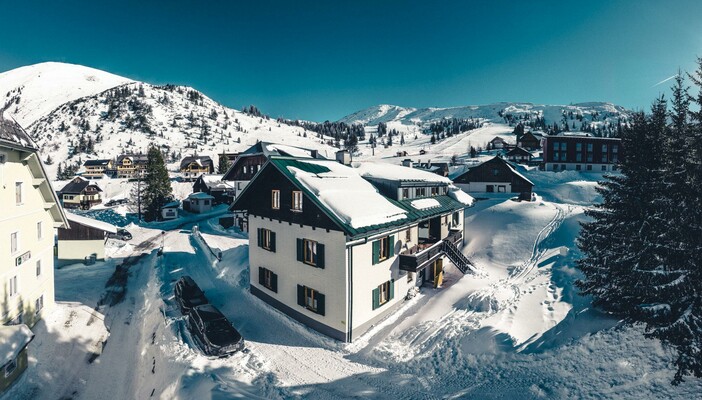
(28, 216)
(81, 249)
(486, 187)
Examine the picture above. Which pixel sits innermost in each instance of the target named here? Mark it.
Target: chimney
(407, 162)
(313, 153)
(343, 157)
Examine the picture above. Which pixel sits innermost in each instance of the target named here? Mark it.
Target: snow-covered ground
(517, 329)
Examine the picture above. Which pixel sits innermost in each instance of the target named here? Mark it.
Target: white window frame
(384, 293)
(15, 249)
(309, 251)
(297, 200)
(275, 199)
(40, 230)
(19, 193)
(310, 299)
(38, 268)
(13, 286)
(38, 304)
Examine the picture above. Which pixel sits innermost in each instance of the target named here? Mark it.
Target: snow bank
(13, 339)
(350, 197)
(460, 196)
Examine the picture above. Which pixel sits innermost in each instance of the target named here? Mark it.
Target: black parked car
(214, 333)
(115, 202)
(188, 294)
(122, 234)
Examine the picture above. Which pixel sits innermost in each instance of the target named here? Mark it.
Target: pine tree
(224, 164)
(157, 186)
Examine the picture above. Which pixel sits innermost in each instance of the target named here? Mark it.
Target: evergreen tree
(157, 186)
(224, 164)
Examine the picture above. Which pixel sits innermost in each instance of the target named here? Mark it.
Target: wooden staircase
(457, 257)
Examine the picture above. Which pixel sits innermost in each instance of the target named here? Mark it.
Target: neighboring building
(529, 141)
(84, 241)
(193, 166)
(131, 166)
(198, 203)
(97, 168)
(518, 155)
(250, 162)
(498, 143)
(29, 211)
(80, 193)
(222, 191)
(338, 248)
(14, 340)
(170, 210)
(441, 169)
(493, 176)
(581, 152)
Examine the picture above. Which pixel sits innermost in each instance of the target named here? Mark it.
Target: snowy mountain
(76, 113)
(594, 113)
(28, 93)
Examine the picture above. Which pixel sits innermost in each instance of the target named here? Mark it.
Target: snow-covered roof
(200, 195)
(394, 172)
(215, 181)
(13, 339)
(290, 150)
(460, 196)
(93, 223)
(342, 190)
(173, 204)
(11, 131)
(423, 204)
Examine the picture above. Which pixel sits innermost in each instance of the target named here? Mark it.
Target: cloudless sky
(322, 60)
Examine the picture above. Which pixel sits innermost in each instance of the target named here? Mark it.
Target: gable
(252, 164)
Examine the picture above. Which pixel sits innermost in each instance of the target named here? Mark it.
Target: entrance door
(489, 188)
(438, 272)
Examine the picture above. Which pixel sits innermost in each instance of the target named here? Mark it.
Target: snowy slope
(593, 111)
(28, 93)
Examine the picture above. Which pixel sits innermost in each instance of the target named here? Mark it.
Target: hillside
(76, 113)
(29, 93)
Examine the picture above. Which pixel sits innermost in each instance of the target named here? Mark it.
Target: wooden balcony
(419, 256)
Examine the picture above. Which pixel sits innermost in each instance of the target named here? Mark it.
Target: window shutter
(376, 298)
(300, 295)
(273, 242)
(259, 232)
(391, 243)
(392, 289)
(261, 276)
(320, 255)
(376, 251)
(274, 282)
(299, 250)
(320, 303)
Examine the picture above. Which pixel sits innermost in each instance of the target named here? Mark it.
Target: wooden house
(222, 191)
(84, 241)
(80, 193)
(518, 155)
(193, 166)
(493, 176)
(529, 141)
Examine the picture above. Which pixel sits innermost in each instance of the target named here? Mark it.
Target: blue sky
(322, 60)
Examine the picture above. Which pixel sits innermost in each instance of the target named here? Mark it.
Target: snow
(423, 204)
(460, 196)
(380, 170)
(200, 195)
(348, 195)
(13, 338)
(41, 88)
(293, 151)
(90, 222)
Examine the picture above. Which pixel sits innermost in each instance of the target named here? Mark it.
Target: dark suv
(188, 294)
(213, 332)
(122, 234)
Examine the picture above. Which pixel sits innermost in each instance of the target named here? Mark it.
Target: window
(578, 147)
(420, 192)
(13, 286)
(383, 249)
(578, 157)
(18, 193)
(405, 193)
(615, 148)
(604, 148)
(501, 189)
(604, 157)
(14, 243)
(615, 158)
(268, 279)
(456, 219)
(556, 156)
(245, 169)
(604, 168)
(563, 167)
(495, 172)
(589, 157)
(266, 239)
(578, 167)
(555, 145)
(296, 200)
(408, 235)
(589, 168)
(310, 299)
(555, 167)
(10, 367)
(564, 146)
(207, 202)
(383, 293)
(39, 304)
(589, 147)
(434, 191)
(310, 252)
(275, 199)
(38, 267)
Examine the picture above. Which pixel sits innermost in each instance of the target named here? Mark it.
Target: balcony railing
(419, 256)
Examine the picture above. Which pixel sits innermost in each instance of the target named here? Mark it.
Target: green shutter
(273, 242)
(376, 298)
(274, 282)
(320, 303)
(261, 276)
(376, 252)
(300, 295)
(320, 255)
(391, 243)
(392, 289)
(299, 250)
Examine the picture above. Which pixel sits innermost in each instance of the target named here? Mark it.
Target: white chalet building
(339, 247)
(29, 213)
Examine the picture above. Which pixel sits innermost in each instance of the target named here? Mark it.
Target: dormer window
(434, 191)
(297, 200)
(405, 193)
(420, 192)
